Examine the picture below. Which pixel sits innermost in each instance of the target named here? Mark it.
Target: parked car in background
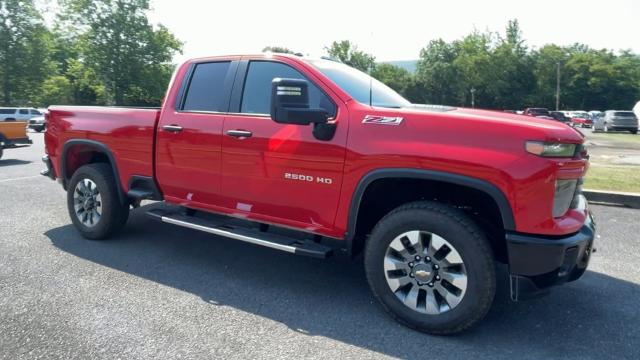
(559, 115)
(616, 120)
(37, 123)
(12, 134)
(594, 114)
(18, 114)
(580, 114)
(536, 112)
(582, 121)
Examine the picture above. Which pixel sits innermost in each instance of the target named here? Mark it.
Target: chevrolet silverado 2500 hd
(307, 156)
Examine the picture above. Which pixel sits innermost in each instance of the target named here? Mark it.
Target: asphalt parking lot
(157, 291)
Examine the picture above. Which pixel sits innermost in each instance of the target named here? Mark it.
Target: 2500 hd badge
(308, 178)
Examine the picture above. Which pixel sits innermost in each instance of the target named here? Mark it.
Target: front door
(281, 173)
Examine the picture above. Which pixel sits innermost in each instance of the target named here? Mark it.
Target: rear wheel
(634, 131)
(431, 268)
(94, 203)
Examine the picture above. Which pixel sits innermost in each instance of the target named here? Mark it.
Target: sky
(392, 29)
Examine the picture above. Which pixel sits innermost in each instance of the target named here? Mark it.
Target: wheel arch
(354, 240)
(97, 153)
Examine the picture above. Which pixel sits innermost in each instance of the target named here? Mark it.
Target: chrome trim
(230, 234)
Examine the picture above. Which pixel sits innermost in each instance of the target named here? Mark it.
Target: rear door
(189, 139)
(278, 172)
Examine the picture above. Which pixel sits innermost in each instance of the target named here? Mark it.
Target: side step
(246, 234)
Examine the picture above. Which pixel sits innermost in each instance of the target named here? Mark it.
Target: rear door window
(24, 112)
(256, 96)
(206, 90)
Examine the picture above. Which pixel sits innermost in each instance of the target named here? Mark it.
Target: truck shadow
(10, 162)
(330, 298)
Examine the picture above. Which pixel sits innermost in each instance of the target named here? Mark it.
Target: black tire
(114, 212)
(634, 132)
(461, 233)
(1, 150)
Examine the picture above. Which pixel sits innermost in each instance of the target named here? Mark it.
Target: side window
(256, 96)
(23, 112)
(35, 112)
(206, 88)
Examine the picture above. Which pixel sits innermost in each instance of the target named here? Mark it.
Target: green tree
(24, 51)
(56, 90)
(510, 81)
(130, 56)
(397, 78)
(436, 78)
(544, 66)
(349, 54)
(278, 49)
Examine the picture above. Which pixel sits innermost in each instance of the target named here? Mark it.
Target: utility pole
(558, 86)
(473, 98)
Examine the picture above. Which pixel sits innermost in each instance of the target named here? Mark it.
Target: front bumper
(36, 126)
(539, 262)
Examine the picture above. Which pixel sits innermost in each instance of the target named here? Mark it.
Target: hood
(530, 127)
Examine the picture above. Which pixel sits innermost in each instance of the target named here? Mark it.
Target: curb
(631, 200)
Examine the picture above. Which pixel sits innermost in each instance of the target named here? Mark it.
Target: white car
(37, 123)
(18, 114)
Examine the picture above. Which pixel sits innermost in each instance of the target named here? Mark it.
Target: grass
(615, 178)
(618, 137)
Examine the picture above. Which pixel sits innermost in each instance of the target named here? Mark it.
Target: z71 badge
(382, 120)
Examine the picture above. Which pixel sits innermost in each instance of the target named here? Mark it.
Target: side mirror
(290, 103)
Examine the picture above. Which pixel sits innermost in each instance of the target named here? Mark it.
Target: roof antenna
(371, 79)
(370, 86)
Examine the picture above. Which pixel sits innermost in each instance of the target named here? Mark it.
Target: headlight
(550, 149)
(565, 190)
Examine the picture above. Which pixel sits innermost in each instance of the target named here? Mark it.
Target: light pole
(557, 86)
(473, 98)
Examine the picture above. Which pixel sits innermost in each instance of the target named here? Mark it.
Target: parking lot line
(20, 178)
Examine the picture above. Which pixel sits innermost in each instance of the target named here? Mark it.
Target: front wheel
(93, 202)
(431, 268)
(634, 131)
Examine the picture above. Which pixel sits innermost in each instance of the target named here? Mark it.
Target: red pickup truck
(310, 156)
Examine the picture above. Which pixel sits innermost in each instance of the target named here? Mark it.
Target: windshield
(623, 113)
(360, 86)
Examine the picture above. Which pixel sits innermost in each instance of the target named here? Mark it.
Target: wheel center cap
(422, 272)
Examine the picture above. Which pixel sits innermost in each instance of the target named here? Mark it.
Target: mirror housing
(290, 103)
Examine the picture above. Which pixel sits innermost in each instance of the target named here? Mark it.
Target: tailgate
(14, 132)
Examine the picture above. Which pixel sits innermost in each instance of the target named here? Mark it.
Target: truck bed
(14, 133)
(127, 132)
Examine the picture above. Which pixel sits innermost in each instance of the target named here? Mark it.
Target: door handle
(172, 128)
(239, 133)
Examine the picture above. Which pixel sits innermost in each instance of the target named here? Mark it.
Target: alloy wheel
(425, 272)
(87, 202)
